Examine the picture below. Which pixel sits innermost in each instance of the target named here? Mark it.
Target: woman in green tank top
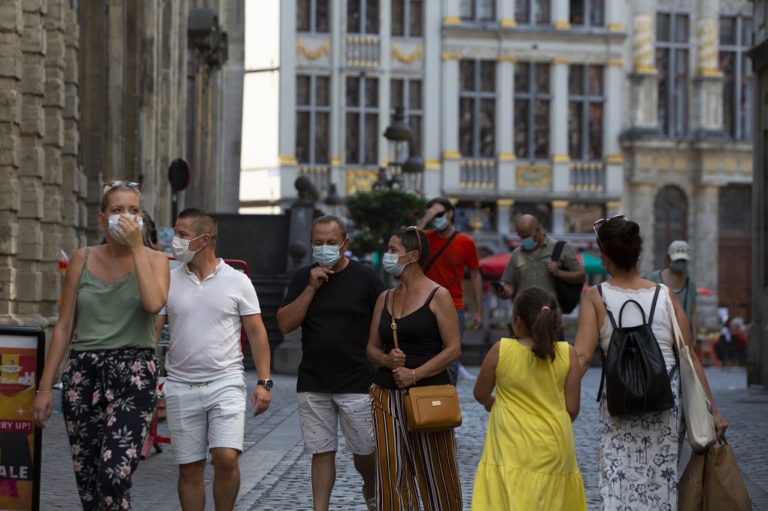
(110, 295)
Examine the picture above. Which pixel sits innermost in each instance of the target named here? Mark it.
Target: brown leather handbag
(430, 408)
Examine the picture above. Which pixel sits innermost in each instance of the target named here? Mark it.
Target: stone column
(338, 101)
(615, 16)
(450, 11)
(450, 122)
(505, 13)
(643, 87)
(11, 25)
(74, 188)
(705, 234)
(53, 105)
(558, 216)
(561, 14)
(385, 57)
(432, 82)
(32, 170)
(708, 81)
(503, 212)
(640, 198)
(114, 164)
(505, 122)
(612, 120)
(558, 126)
(612, 208)
(287, 112)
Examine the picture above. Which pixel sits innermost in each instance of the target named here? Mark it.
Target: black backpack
(568, 294)
(634, 371)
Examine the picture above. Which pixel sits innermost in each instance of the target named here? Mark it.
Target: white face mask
(113, 223)
(391, 264)
(327, 255)
(180, 249)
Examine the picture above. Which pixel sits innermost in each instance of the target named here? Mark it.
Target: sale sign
(21, 356)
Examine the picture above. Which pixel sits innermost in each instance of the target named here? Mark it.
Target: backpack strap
(653, 304)
(439, 252)
(558, 250)
(602, 353)
(610, 315)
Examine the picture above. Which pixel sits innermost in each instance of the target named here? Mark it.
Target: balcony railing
(413, 181)
(479, 173)
(587, 177)
(363, 51)
(319, 175)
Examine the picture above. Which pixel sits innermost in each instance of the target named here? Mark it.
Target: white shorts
(204, 416)
(320, 414)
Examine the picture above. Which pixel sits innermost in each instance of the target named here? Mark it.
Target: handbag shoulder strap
(439, 252)
(393, 323)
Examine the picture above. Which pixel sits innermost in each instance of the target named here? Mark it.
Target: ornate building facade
(101, 90)
(569, 109)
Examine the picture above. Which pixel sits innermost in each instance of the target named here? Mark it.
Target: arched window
(671, 213)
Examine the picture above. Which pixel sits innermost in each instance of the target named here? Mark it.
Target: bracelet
(40, 391)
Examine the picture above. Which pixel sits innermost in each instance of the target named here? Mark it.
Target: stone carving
(643, 47)
(407, 58)
(315, 54)
(706, 34)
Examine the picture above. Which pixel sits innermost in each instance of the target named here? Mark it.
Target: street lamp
(401, 159)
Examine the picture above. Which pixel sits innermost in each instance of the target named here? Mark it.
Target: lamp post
(402, 162)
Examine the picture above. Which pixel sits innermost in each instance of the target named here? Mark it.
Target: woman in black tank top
(428, 340)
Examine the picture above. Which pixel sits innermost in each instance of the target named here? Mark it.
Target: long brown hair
(538, 310)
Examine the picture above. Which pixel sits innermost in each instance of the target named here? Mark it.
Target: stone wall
(90, 92)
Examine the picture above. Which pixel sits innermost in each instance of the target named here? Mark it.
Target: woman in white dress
(637, 454)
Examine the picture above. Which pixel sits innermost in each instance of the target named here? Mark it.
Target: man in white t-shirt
(205, 390)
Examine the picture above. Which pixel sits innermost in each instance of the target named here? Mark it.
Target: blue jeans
(453, 367)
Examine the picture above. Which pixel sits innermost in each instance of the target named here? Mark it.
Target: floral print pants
(108, 400)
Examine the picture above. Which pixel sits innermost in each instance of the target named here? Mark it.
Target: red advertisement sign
(21, 358)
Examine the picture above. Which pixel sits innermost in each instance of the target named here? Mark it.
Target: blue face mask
(327, 255)
(529, 243)
(679, 266)
(440, 223)
(391, 264)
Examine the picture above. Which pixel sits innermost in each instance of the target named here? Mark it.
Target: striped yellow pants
(412, 466)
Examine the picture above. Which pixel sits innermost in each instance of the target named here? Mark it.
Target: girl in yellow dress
(529, 457)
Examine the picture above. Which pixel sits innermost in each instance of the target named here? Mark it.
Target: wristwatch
(266, 383)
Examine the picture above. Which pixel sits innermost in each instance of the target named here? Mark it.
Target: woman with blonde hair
(110, 296)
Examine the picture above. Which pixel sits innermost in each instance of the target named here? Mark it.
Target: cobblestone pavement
(275, 472)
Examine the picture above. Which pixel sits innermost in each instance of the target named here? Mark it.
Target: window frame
(584, 100)
(532, 10)
(313, 18)
(407, 18)
(532, 96)
(475, 17)
(362, 110)
(741, 77)
(362, 5)
(477, 95)
(409, 112)
(677, 122)
(587, 18)
(313, 109)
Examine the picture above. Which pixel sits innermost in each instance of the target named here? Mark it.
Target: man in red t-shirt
(450, 252)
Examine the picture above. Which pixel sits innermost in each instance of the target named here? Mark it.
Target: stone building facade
(757, 352)
(90, 92)
(569, 109)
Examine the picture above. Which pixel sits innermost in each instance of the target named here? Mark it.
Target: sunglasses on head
(601, 221)
(415, 230)
(118, 184)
